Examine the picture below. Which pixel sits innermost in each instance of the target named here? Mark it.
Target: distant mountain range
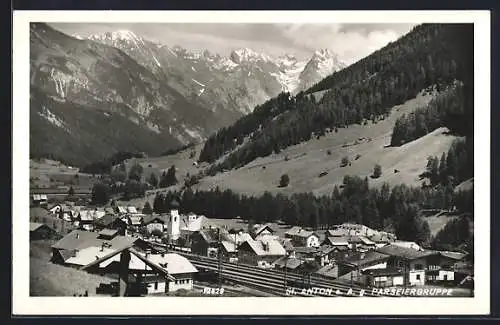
(117, 91)
(239, 82)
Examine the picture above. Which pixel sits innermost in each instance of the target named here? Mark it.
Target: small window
(446, 277)
(418, 276)
(156, 285)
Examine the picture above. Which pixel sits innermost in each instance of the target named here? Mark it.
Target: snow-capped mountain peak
(247, 55)
(324, 53)
(324, 61)
(251, 68)
(114, 37)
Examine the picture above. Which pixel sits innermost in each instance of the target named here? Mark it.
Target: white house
(413, 263)
(301, 237)
(357, 229)
(384, 277)
(176, 265)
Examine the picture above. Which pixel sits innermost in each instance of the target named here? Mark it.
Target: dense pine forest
(451, 108)
(453, 167)
(396, 210)
(431, 55)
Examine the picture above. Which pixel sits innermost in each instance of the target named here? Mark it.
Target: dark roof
(109, 210)
(290, 262)
(383, 272)
(79, 239)
(210, 235)
(108, 232)
(355, 240)
(322, 250)
(326, 249)
(147, 219)
(330, 270)
(364, 258)
(337, 241)
(306, 250)
(38, 212)
(287, 244)
(262, 228)
(36, 225)
(453, 255)
(107, 220)
(404, 252)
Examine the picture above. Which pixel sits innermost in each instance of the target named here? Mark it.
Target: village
(143, 253)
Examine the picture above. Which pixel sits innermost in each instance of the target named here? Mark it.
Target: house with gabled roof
(360, 261)
(321, 255)
(41, 231)
(132, 209)
(302, 237)
(79, 247)
(40, 200)
(336, 241)
(337, 232)
(205, 242)
(111, 221)
(414, 263)
(154, 222)
(260, 252)
(357, 229)
(261, 230)
(387, 277)
(381, 239)
(329, 271)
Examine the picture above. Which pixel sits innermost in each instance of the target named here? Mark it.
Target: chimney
(266, 246)
(102, 247)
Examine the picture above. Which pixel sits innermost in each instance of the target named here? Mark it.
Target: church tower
(174, 222)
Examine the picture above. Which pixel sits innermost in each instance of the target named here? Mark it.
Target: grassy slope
(48, 279)
(465, 185)
(308, 160)
(42, 171)
(437, 223)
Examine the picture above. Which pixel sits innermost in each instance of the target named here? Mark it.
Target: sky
(350, 41)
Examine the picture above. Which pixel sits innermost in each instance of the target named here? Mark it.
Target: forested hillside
(430, 55)
(393, 209)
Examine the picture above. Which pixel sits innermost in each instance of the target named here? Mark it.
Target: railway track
(273, 281)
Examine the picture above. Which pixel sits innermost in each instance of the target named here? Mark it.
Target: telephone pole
(286, 264)
(219, 257)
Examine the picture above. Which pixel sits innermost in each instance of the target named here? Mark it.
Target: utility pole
(219, 257)
(286, 263)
